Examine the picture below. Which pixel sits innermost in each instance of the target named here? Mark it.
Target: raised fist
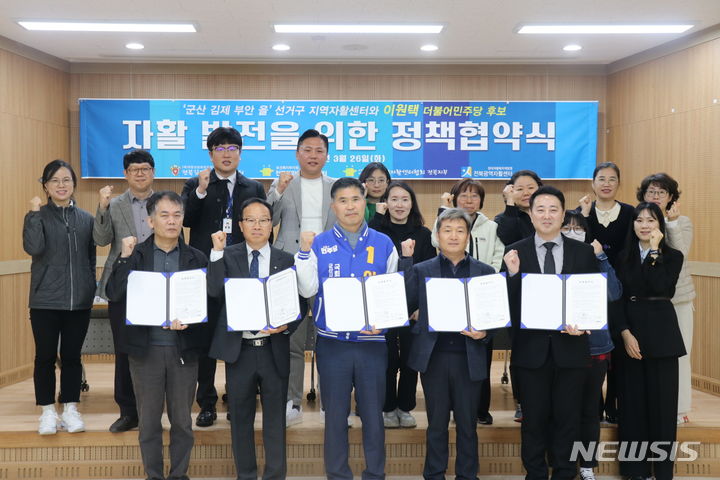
(203, 181)
(306, 241)
(105, 193)
(509, 194)
(35, 204)
(585, 205)
(218, 240)
(283, 181)
(408, 247)
(446, 199)
(128, 245)
(381, 208)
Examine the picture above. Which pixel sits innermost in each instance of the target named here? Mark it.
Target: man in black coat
(211, 204)
(550, 366)
(452, 365)
(253, 359)
(163, 361)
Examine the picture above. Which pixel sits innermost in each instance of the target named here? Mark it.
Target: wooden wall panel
(664, 116)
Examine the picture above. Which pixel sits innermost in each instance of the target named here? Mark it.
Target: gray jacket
(62, 274)
(287, 211)
(679, 237)
(110, 227)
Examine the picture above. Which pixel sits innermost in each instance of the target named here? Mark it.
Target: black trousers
(484, 406)
(255, 367)
(592, 390)
(70, 328)
(123, 388)
(647, 401)
(399, 393)
(206, 394)
(551, 399)
(447, 386)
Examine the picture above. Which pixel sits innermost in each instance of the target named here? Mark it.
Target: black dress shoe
(485, 420)
(123, 424)
(206, 418)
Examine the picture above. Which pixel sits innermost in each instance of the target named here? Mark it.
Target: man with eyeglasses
(252, 359)
(301, 204)
(117, 218)
(212, 201)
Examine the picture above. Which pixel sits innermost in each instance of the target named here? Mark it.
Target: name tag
(227, 225)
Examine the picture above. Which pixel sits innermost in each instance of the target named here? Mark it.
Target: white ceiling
(235, 31)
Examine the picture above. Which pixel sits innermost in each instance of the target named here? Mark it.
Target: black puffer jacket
(60, 241)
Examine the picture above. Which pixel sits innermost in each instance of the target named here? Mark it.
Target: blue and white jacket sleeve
(306, 266)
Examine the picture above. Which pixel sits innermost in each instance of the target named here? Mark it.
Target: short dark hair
(138, 156)
(525, 173)
(165, 194)
(453, 214)
(662, 180)
(252, 200)
(224, 135)
(548, 190)
(606, 165)
(312, 133)
(573, 216)
(52, 167)
(468, 184)
(346, 182)
(370, 168)
(415, 218)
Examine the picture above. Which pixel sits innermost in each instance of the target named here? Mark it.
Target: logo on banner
(349, 172)
(266, 171)
(466, 172)
(175, 170)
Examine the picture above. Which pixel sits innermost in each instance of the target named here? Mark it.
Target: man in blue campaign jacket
(348, 359)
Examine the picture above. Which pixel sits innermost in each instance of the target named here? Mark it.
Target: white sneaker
(406, 419)
(48, 422)
(587, 473)
(293, 415)
(71, 420)
(391, 420)
(322, 418)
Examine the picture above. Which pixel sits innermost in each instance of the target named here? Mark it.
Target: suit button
(297, 241)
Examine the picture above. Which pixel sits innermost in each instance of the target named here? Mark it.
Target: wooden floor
(97, 453)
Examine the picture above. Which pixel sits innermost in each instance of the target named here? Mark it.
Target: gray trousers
(298, 344)
(160, 378)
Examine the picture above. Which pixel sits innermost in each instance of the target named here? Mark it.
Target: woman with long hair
(398, 216)
(648, 375)
(662, 190)
(58, 236)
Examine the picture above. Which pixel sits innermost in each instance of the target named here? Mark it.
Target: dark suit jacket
(135, 339)
(423, 340)
(205, 216)
(530, 347)
(653, 322)
(226, 345)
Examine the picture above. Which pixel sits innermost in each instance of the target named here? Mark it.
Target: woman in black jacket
(648, 373)
(398, 217)
(58, 236)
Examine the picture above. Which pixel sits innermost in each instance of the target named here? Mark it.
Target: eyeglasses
(139, 170)
(578, 230)
(229, 148)
(376, 181)
(60, 181)
(656, 193)
(263, 222)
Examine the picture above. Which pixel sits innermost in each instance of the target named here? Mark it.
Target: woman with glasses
(58, 236)
(662, 190)
(376, 179)
(485, 245)
(575, 226)
(398, 216)
(648, 376)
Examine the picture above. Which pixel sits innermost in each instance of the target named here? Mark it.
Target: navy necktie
(229, 240)
(255, 265)
(549, 259)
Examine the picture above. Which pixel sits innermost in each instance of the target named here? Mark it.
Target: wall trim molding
(32, 54)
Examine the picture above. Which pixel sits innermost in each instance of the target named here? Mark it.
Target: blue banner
(414, 139)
